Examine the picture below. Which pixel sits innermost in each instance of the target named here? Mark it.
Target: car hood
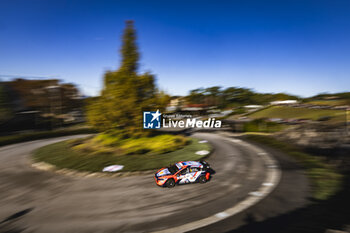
(163, 172)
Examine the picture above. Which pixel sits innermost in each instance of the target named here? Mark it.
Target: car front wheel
(202, 179)
(170, 183)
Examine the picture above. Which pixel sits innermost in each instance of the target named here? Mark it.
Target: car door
(184, 176)
(194, 173)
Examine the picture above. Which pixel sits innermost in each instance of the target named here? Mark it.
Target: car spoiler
(205, 164)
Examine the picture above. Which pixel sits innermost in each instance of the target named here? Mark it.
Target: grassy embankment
(285, 112)
(24, 137)
(325, 180)
(260, 125)
(134, 154)
(329, 102)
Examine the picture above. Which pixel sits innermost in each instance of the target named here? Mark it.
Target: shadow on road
(16, 215)
(333, 213)
(5, 225)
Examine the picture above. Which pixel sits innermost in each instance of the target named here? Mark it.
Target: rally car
(183, 173)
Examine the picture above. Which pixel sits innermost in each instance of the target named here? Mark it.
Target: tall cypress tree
(126, 94)
(129, 51)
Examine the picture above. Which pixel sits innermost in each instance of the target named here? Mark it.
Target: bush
(113, 143)
(62, 156)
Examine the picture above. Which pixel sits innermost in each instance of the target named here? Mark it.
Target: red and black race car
(183, 173)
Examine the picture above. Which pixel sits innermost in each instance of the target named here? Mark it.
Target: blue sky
(300, 47)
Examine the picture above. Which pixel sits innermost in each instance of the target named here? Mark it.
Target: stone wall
(317, 135)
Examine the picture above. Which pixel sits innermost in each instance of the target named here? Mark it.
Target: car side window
(184, 171)
(194, 169)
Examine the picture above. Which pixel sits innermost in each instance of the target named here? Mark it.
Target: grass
(24, 137)
(328, 102)
(325, 180)
(285, 112)
(259, 125)
(63, 156)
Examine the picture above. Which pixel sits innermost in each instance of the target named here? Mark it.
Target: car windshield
(173, 169)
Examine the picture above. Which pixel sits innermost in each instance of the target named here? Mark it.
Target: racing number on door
(184, 176)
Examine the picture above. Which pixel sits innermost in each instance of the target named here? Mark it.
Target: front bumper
(160, 182)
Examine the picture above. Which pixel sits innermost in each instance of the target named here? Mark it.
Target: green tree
(213, 96)
(129, 52)
(196, 96)
(126, 94)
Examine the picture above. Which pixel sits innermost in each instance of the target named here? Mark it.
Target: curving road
(39, 201)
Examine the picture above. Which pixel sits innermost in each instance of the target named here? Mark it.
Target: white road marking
(267, 184)
(257, 194)
(202, 152)
(236, 140)
(222, 215)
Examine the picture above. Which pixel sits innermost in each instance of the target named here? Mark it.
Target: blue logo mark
(151, 120)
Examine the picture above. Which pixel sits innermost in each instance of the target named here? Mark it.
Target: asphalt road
(39, 201)
(276, 212)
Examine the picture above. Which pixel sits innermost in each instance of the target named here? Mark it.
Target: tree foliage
(126, 94)
(232, 96)
(5, 108)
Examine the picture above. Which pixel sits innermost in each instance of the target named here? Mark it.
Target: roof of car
(188, 163)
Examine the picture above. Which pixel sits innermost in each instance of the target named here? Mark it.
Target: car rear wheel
(202, 179)
(170, 183)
